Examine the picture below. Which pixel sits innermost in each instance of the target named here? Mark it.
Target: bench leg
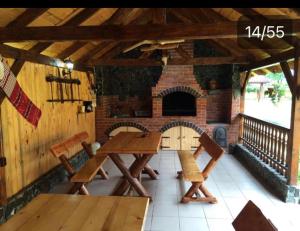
(208, 197)
(79, 187)
(102, 173)
(207, 194)
(179, 174)
(188, 196)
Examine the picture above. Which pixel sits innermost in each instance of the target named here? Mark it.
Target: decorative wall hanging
(64, 83)
(15, 94)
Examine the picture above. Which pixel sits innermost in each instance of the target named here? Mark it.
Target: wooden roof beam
(123, 33)
(133, 18)
(11, 52)
(74, 21)
(273, 60)
(23, 20)
(159, 15)
(221, 45)
(151, 62)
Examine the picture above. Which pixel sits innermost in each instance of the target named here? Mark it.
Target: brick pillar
(201, 103)
(157, 107)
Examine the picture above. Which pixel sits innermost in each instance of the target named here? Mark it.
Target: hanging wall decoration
(15, 94)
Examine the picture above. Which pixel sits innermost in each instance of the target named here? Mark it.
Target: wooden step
(90, 169)
(190, 168)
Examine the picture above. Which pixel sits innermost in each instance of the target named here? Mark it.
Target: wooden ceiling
(103, 51)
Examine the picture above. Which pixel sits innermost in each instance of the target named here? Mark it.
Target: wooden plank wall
(27, 148)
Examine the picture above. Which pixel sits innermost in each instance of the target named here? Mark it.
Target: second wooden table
(143, 146)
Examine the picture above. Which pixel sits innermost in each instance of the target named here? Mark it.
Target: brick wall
(220, 106)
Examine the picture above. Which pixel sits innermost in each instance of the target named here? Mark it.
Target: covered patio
(139, 112)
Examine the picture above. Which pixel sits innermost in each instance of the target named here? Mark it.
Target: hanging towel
(15, 94)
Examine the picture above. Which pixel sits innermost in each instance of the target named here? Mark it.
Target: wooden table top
(133, 143)
(53, 212)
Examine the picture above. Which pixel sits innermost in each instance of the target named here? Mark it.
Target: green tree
(279, 86)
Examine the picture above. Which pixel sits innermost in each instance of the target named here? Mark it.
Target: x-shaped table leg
(131, 175)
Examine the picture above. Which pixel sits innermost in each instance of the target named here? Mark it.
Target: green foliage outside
(278, 88)
(252, 88)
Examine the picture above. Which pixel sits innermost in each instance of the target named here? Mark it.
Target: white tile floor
(230, 182)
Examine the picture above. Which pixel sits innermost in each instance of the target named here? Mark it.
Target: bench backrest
(213, 149)
(63, 147)
(252, 219)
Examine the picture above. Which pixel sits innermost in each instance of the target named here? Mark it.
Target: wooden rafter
(213, 16)
(253, 15)
(11, 52)
(74, 21)
(101, 49)
(41, 46)
(118, 18)
(27, 17)
(280, 57)
(70, 50)
(23, 20)
(210, 16)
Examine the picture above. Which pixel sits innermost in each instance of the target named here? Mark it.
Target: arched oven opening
(179, 104)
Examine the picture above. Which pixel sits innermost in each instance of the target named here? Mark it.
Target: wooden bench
(252, 219)
(88, 171)
(192, 173)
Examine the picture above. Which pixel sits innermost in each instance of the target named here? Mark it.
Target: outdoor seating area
(149, 119)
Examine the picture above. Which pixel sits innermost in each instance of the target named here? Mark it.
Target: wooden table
(53, 212)
(143, 146)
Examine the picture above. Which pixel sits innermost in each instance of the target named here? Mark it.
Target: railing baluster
(267, 141)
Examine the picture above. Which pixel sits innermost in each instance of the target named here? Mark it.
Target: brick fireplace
(211, 108)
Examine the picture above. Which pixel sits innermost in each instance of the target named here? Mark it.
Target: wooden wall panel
(27, 148)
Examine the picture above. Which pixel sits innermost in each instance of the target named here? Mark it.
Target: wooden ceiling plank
(27, 17)
(70, 50)
(81, 17)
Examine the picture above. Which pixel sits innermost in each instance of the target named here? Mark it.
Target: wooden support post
(3, 195)
(244, 77)
(294, 146)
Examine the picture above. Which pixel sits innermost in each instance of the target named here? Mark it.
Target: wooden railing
(269, 142)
